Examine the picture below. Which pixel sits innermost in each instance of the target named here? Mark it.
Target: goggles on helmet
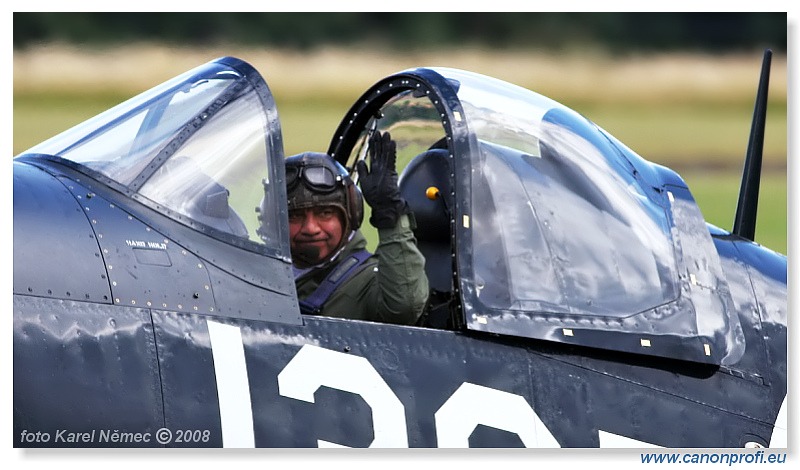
(319, 178)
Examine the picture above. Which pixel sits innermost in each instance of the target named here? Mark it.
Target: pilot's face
(315, 232)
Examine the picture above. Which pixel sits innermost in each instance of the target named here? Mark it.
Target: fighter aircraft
(578, 297)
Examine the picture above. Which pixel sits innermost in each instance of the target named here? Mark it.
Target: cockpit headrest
(430, 169)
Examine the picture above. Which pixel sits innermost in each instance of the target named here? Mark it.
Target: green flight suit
(390, 286)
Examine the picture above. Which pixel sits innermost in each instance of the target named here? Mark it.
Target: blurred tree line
(615, 32)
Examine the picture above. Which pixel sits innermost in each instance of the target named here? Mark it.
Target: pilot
(334, 273)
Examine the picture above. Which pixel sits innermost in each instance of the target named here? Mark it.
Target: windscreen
(196, 145)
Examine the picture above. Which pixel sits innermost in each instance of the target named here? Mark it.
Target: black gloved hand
(379, 184)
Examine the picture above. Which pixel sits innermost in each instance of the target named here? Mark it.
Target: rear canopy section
(544, 225)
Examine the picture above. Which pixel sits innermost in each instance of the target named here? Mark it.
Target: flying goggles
(319, 178)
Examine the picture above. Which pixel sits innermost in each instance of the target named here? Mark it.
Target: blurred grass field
(690, 113)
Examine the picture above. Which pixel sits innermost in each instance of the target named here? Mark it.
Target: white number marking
(233, 385)
(472, 405)
(314, 367)
(609, 440)
(779, 437)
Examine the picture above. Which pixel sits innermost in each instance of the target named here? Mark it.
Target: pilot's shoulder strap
(312, 305)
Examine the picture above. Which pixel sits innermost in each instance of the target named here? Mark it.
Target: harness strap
(312, 305)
